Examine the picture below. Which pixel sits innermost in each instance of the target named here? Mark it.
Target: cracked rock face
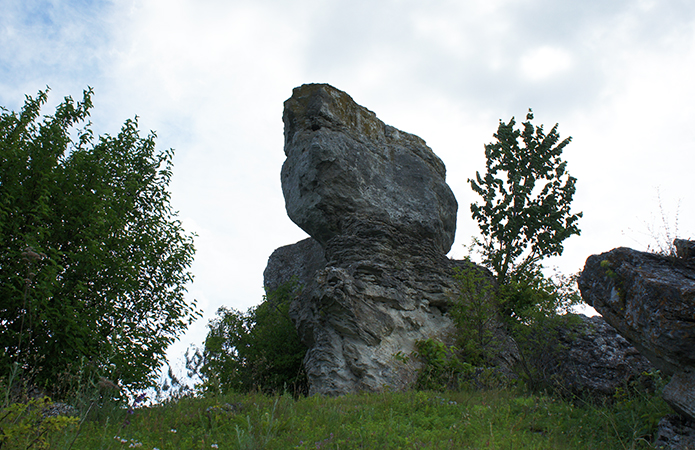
(381, 218)
(650, 300)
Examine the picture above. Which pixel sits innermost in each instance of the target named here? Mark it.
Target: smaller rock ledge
(650, 300)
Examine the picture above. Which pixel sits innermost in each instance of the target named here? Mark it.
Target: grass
(493, 419)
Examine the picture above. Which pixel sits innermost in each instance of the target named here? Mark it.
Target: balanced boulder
(342, 162)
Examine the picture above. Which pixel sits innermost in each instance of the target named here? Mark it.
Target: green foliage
(526, 195)
(530, 307)
(25, 422)
(256, 350)
(532, 296)
(639, 405)
(93, 262)
(475, 313)
(23, 425)
(442, 368)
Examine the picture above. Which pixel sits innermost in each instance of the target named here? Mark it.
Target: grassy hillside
(494, 419)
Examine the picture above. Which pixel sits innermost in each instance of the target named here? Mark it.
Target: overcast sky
(210, 77)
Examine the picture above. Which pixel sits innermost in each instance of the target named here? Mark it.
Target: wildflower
(173, 430)
(214, 446)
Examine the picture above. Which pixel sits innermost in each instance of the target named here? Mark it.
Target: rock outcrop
(650, 300)
(588, 357)
(376, 279)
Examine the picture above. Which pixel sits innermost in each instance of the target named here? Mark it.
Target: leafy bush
(28, 422)
(257, 350)
(93, 262)
(442, 368)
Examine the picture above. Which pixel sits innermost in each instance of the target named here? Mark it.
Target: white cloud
(545, 62)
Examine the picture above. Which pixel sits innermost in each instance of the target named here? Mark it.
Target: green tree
(93, 262)
(525, 216)
(526, 193)
(256, 350)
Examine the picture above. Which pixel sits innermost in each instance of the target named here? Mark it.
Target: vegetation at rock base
(257, 350)
(93, 262)
(524, 216)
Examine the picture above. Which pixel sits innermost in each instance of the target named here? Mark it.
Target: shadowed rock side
(298, 262)
(381, 216)
(590, 357)
(650, 300)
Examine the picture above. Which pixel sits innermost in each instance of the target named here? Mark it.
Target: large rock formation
(376, 203)
(675, 433)
(650, 300)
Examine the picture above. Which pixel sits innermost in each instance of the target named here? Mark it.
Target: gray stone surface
(376, 201)
(343, 161)
(675, 433)
(374, 299)
(299, 261)
(592, 358)
(685, 249)
(650, 300)
(680, 392)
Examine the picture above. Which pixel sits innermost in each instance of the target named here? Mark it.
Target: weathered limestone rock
(650, 300)
(298, 261)
(675, 433)
(376, 200)
(591, 358)
(372, 300)
(342, 161)
(684, 249)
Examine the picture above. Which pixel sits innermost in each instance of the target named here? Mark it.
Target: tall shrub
(93, 261)
(256, 350)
